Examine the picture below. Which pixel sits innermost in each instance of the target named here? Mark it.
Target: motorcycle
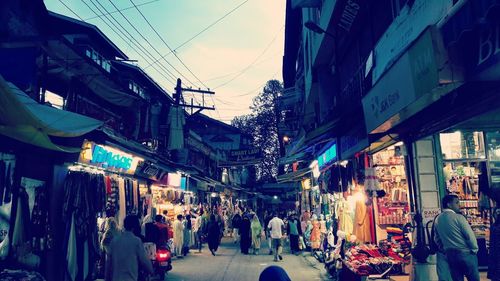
(161, 258)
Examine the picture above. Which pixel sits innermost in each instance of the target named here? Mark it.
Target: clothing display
(315, 237)
(362, 223)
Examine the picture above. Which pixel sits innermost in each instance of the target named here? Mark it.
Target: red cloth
(108, 185)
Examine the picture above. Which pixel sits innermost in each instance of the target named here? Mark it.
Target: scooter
(161, 258)
(163, 261)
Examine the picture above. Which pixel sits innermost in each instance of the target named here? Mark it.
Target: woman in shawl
(256, 234)
(245, 235)
(187, 235)
(213, 234)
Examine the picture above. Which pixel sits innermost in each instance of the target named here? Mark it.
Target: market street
(230, 264)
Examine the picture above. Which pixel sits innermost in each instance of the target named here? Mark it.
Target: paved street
(230, 264)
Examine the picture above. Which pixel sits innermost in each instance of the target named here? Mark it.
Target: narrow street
(230, 264)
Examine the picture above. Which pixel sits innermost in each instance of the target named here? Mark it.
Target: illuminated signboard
(328, 156)
(107, 157)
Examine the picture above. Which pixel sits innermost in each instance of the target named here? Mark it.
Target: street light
(317, 29)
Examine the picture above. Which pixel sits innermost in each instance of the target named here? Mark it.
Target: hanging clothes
(315, 234)
(122, 202)
(362, 223)
(345, 218)
(176, 120)
(2, 180)
(41, 232)
(8, 184)
(22, 231)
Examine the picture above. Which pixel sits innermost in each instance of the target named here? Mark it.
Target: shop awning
(24, 119)
(294, 176)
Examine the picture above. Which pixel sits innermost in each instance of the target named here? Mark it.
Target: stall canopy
(24, 119)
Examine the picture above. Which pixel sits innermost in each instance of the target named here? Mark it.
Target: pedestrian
(276, 227)
(198, 231)
(187, 235)
(267, 219)
(294, 230)
(111, 231)
(245, 235)
(274, 273)
(236, 222)
(256, 228)
(458, 241)
(178, 236)
(213, 232)
(126, 254)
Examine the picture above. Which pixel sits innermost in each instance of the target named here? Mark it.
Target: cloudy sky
(241, 48)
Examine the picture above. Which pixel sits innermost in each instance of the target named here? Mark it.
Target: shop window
(493, 144)
(462, 145)
(393, 208)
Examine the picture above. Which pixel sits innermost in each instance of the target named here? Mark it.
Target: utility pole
(179, 99)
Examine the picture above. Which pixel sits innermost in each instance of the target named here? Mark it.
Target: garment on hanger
(122, 202)
(2, 180)
(362, 222)
(8, 184)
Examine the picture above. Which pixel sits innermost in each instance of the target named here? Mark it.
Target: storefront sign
(241, 157)
(483, 49)
(430, 214)
(412, 76)
(353, 142)
(405, 28)
(107, 157)
(148, 170)
(349, 14)
(330, 155)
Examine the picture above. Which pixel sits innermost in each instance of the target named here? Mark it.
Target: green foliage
(262, 125)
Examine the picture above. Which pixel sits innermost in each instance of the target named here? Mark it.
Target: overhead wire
(150, 44)
(128, 40)
(124, 9)
(199, 33)
(71, 10)
(166, 44)
(136, 42)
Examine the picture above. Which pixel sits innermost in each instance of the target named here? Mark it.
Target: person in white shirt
(276, 226)
(455, 236)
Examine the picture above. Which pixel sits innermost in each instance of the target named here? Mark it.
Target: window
(54, 100)
(462, 145)
(136, 89)
(98, 59)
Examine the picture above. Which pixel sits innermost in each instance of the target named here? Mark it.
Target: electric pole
(179, 99)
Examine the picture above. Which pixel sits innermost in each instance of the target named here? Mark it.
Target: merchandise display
(393, 208)
(369, 259)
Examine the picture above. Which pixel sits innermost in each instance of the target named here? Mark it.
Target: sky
(234, 57)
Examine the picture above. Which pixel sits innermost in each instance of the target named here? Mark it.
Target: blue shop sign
(330, 155)
(108, 159)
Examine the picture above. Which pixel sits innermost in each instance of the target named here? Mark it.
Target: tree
(262, 125)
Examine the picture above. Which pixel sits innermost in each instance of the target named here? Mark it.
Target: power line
(62, 2)
(197, 34)
(149, 43)
(254, 61)
(124, 9)
(164, 42)
(128, 40)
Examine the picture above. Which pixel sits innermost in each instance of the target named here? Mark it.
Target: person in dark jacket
(245, 235)
(213, 233)
(294, 230)
(236, 222)
(274, 273)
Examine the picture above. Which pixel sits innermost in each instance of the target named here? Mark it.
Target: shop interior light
(344, 163)
(275, 197)
(213, 194)
(286, 139)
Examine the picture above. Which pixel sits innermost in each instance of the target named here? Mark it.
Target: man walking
(275, 227)
(459, 243)
(178, 236)
(126, 254)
